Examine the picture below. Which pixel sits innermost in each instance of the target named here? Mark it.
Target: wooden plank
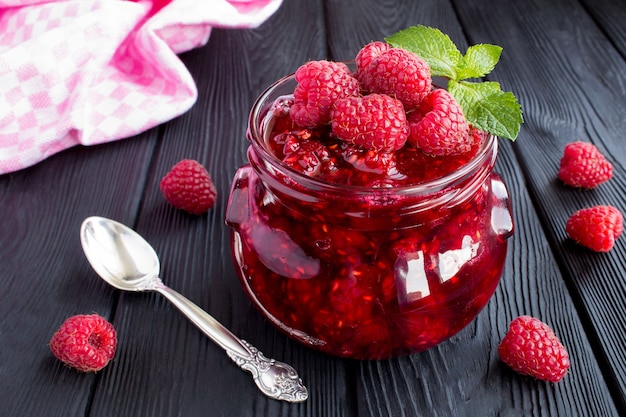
(45, 276)
(609, 16)
(532, 284)
(164, 354)
(464, 376)
(573, 84)
(166, 367)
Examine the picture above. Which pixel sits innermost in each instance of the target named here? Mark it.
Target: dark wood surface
(564, 60)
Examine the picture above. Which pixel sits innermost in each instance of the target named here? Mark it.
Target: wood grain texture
(585, 102)
(195, 252)
(564, 60)
(609, 16)
(423, 381)
(45, 277)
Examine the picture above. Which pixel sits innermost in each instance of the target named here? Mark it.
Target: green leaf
(433, 46)
(485, 105)
(488, 108)
(479, 60)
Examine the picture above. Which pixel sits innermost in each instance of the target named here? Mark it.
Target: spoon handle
(275, 379)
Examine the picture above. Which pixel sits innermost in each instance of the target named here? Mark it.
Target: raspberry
(320, 84)
(531, 348)
(277, 143)
(307, 156)
(438, 126)
(189, 187)
(369, 168)
(477, 138)
(582, 165)
(367, 54)
(596, 227)
(400, 74)
(85, 342)
(376, 122)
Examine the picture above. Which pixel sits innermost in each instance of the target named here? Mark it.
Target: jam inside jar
(361, 271)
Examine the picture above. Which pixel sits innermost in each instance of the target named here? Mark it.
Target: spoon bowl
(118, 254)
(127, 262)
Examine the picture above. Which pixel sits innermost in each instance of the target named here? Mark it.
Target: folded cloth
(87, 72)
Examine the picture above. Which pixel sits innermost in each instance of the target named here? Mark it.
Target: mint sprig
(484, 104)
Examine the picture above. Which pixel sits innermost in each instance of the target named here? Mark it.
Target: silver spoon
(126, 261)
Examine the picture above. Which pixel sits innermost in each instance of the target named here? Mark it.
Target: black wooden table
(566, 62)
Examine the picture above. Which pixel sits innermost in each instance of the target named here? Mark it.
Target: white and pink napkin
(93, 71)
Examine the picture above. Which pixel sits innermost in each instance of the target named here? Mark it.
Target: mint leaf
(485, 105)
(433, 46)
(488, 108)
(479, 60)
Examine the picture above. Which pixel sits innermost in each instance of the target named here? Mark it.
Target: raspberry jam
(365, 260)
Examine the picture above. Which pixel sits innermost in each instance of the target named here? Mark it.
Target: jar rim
(487, 154)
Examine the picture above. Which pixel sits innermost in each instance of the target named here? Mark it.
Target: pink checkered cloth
(93, 71)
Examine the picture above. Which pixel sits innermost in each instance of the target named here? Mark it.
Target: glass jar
(365, 273)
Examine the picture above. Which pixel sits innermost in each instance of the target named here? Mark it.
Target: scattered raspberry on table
(584, 166)
(189, 187)
(531, 348)
(85, 342)
(596, 227)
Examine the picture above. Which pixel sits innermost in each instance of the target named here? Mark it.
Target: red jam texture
(365, 275)
(315, 153)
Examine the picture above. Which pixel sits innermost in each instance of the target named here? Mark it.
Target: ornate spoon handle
(275, 379)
